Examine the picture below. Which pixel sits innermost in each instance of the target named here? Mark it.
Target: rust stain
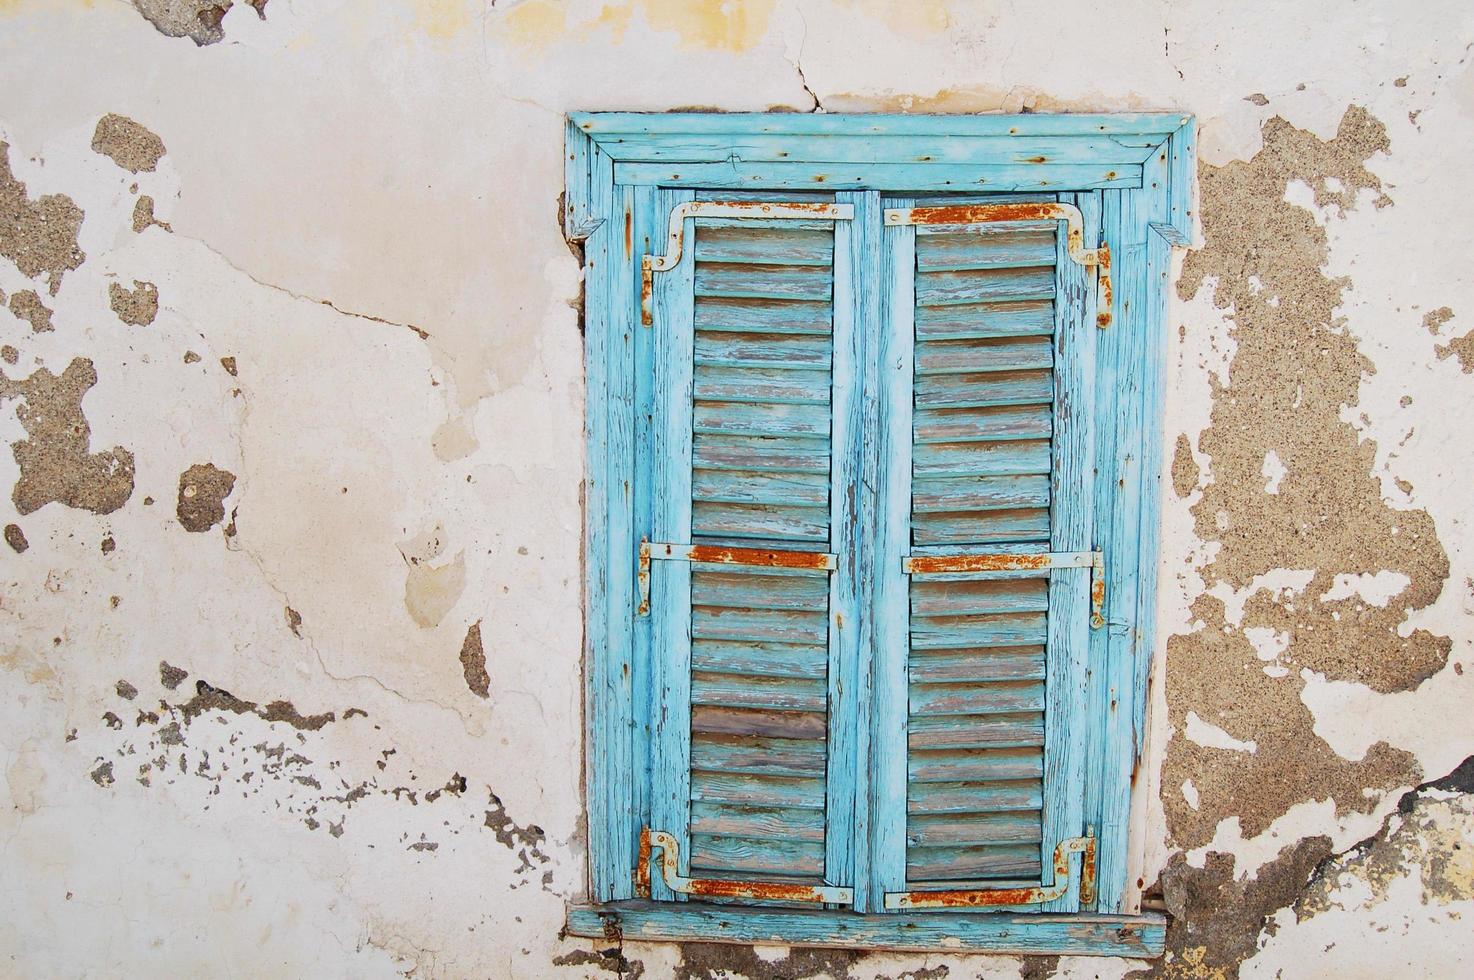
(972, 214)
(932, 564)
(809, 207)
(642, 866)
(1087, 874)
(768, 890)
(629, 232)
(647, 291)
(977, 899)
(1107, 290)
(758, 557)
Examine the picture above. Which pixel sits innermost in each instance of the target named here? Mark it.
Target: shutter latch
(964, 562)
(711, 554)
(1035, 895)
(777, 891)
(979, 214)
(751, 210)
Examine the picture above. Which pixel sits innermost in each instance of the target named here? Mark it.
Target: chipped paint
(1327, 513)
(201, 498)
(39, 235)
(130, 144)
(55, 462)
(136, 307)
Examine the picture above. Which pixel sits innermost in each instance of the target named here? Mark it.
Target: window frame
(620, 168)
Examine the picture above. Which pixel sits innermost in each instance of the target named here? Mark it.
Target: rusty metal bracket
(758, 210)
(778, 891)
(1034, 895)
(711, 554)
(975, 562)
(979, 214)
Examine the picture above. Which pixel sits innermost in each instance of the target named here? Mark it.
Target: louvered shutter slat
(760, 469)
(982, 456)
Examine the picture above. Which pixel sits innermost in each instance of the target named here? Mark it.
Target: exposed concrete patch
(16, 538)
(209, 698)
(27, 305)
(1294, 369)
(55, 465)
(1463, 348)
(473, 662)
(526, 842)
(102, 775)
(1037, 967)
(294, 621)
(198, 20)
(38, 236)
(9, 354)
(126, 691)
(170, 676)
(202, 492)
(143, 215)
(611, 960)
(1430, 835)
(137, 306)
(1433, 320)
(131, 145)
(1216, 920)
(718, 961)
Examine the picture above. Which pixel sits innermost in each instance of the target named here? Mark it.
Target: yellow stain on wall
(729, 25)
(536, 23)
(19, 6)
(442, 18)
(726, 25)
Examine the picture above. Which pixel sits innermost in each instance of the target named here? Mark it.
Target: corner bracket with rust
(980, 214)
(777, 891)
(720, 555)
(752, 210)
(994, 897)
(973, 562)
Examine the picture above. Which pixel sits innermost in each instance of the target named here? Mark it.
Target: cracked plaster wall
(289, 604)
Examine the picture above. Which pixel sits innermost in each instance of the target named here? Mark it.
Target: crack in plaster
(303, 297)
(798, 61)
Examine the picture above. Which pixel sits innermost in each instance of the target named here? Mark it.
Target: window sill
(1085, 934)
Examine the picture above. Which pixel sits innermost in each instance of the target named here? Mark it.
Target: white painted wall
(336, 172)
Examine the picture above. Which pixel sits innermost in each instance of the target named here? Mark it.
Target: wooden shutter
(741, 566)
(982, 634)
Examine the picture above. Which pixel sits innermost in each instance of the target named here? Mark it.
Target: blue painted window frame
(621, 169)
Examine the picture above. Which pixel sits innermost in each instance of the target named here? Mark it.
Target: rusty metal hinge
(819, 561)
(981, 562)
(755, 210)
(979, 214)
(778, 891)
(1034, 895)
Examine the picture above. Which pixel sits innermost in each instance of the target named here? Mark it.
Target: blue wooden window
(874, 453)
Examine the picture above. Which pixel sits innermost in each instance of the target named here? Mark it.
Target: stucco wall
(290, 369)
